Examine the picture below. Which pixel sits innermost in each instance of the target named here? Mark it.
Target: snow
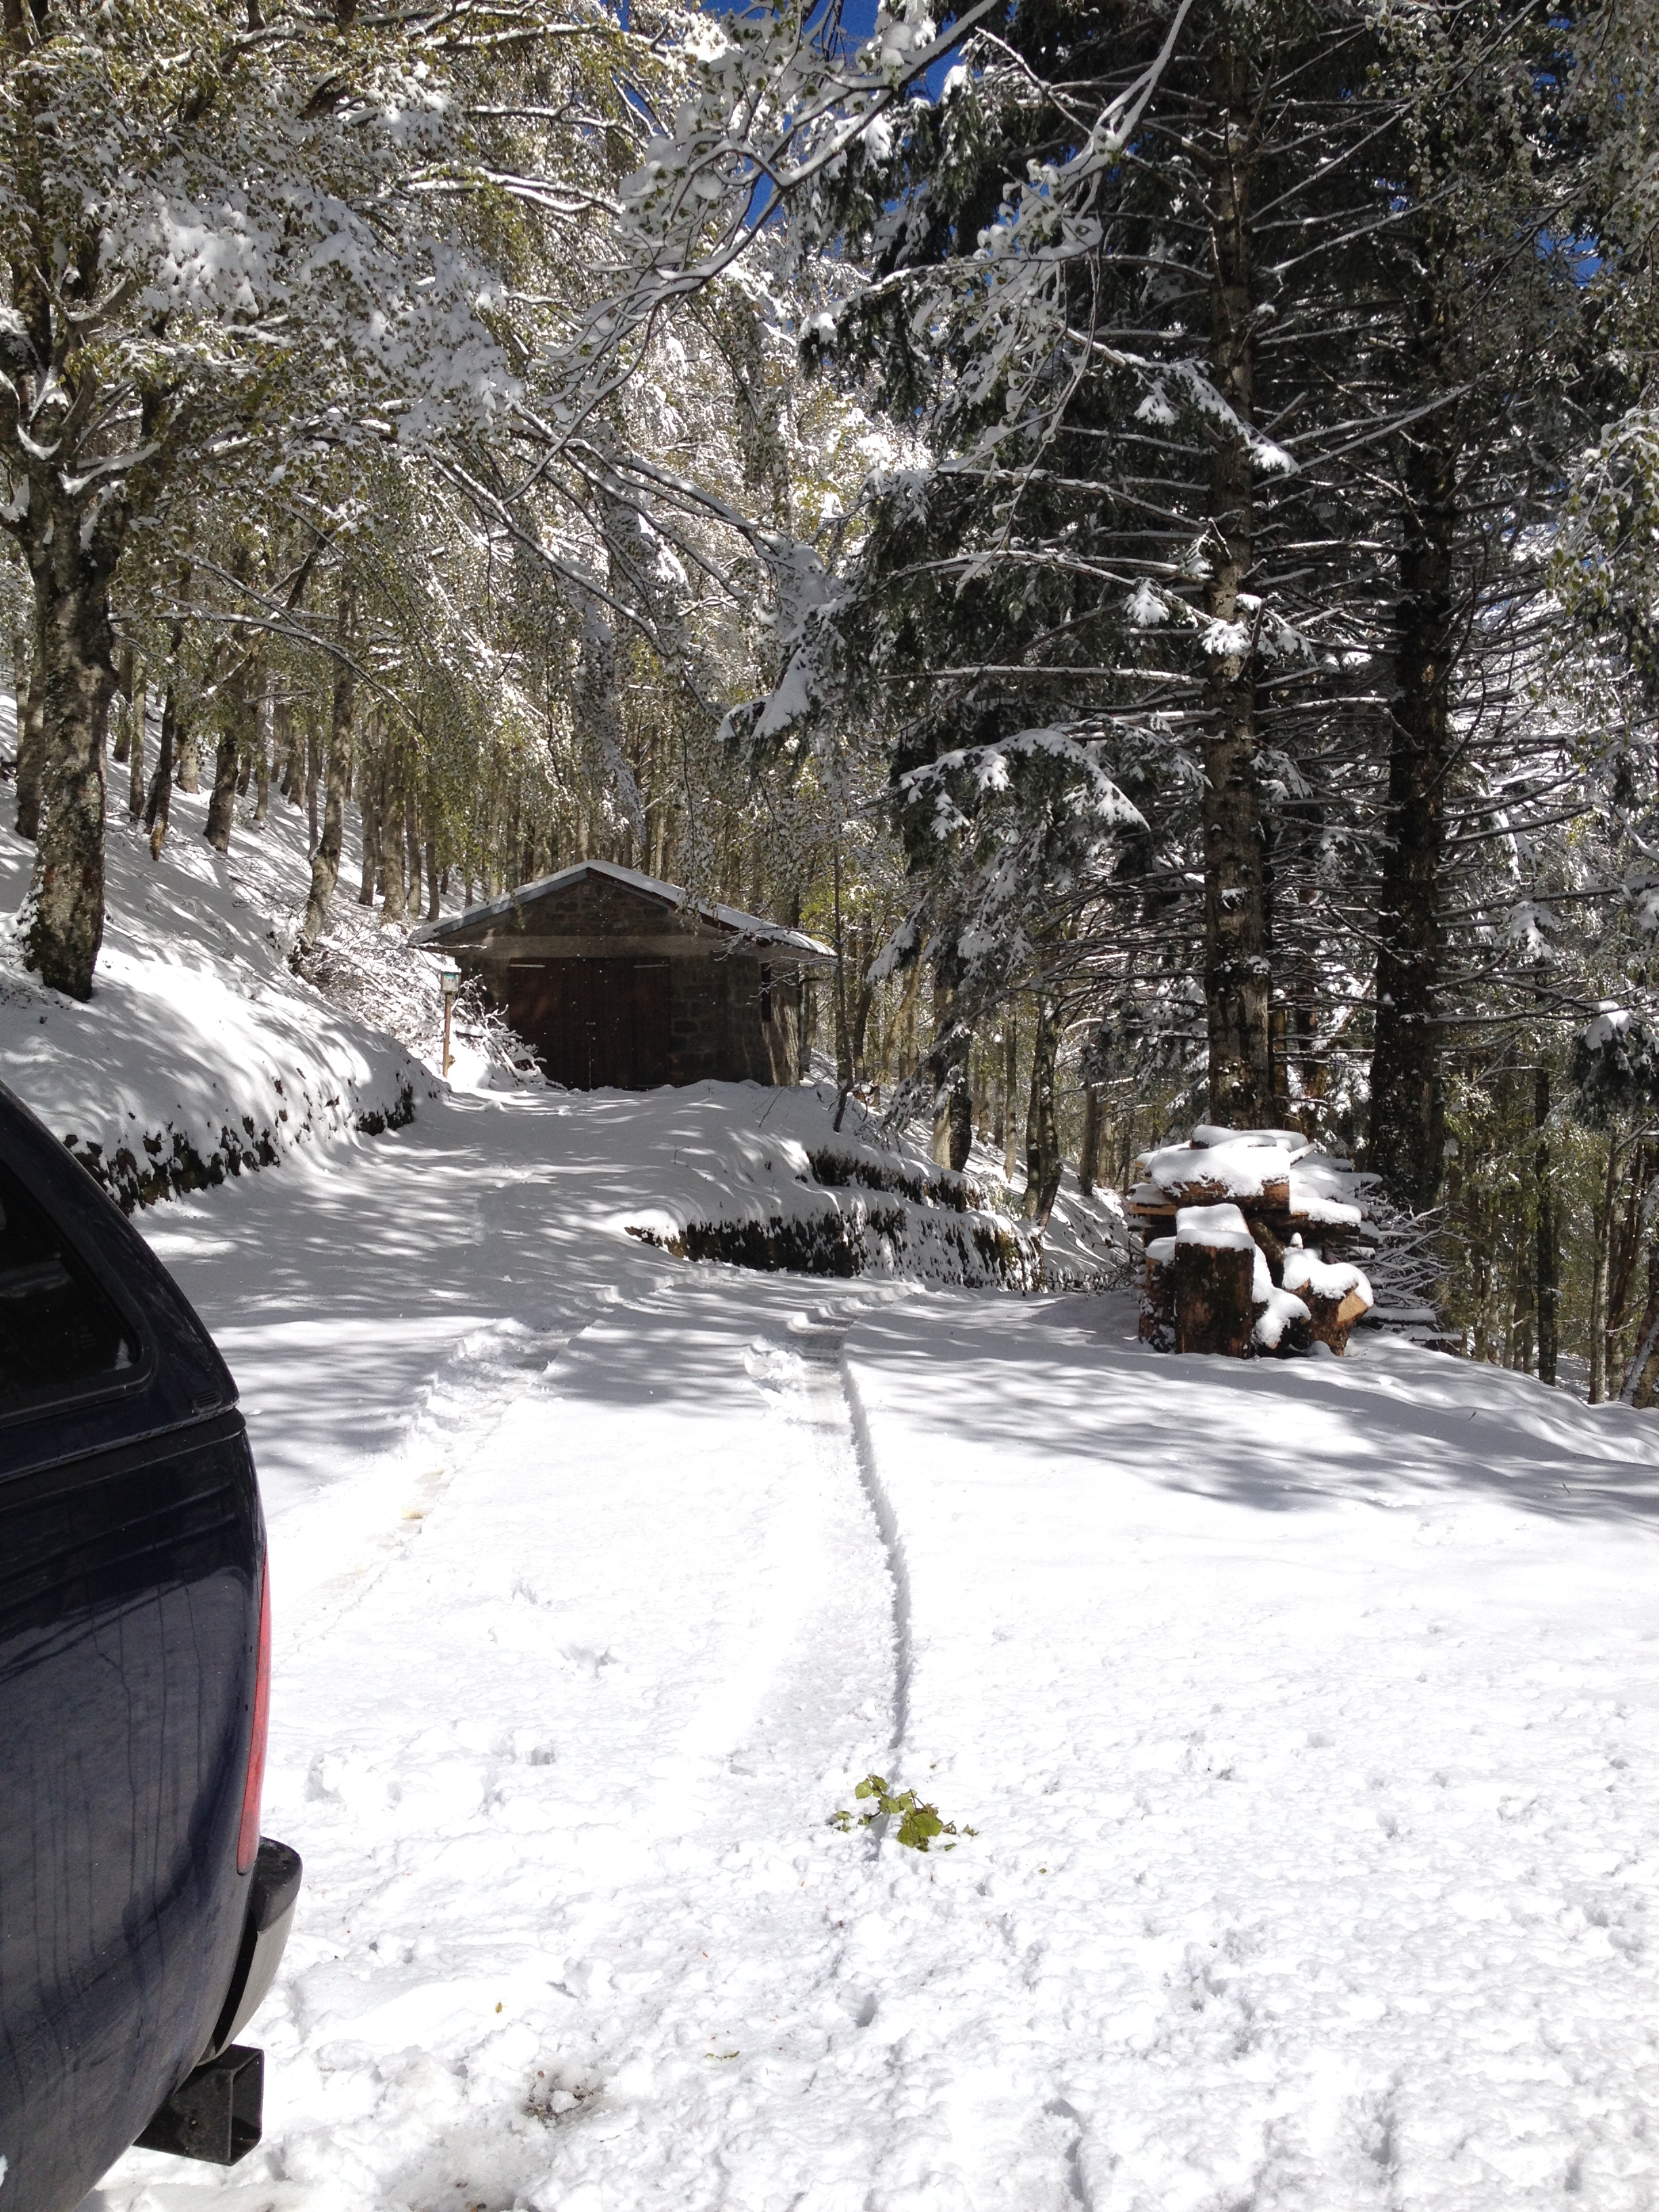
(1321, 1192)
(1207, 1133)
(1307, 1713)
(1306, 1271)
(198, 1034)
(1281, 1309)
(1324, 1190)
(1609, 1023)
(1222, 1228)
(1242, 1166)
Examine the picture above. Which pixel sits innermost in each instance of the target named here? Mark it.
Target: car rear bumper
(215, 2113)
(274, 1891)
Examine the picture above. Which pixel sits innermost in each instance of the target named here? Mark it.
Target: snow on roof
(749, 926)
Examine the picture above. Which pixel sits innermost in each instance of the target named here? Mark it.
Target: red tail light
(247, 1840)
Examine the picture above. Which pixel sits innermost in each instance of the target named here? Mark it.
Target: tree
(1480, 342)
(1099, 542)
(217, 250)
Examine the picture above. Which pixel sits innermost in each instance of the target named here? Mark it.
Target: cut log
(1157, 1297)
(1236, 1274)
(1331, 1320)
(1199, 1189)
(1214, 1310)
(1270, 1247)
(1335, 1296)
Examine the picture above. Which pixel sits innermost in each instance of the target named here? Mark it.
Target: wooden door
(632, 1008)
(594, 1024)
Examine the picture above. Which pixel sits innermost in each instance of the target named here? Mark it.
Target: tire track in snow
(370, 1517)
(820, 1339)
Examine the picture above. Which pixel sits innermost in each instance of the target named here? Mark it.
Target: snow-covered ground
(1308, 1714)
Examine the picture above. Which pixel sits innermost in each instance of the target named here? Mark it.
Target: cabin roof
(730, 921)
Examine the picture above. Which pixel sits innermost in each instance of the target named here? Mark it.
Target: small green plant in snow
(918, 1824)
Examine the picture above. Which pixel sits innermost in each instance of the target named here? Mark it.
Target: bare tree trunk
(290, 751)
(122, 748)
(1087, 1155)
(510, 849)
(434, 894)
(1546, 1244)
(599, 722)
(190, 757)
(1010, 1089)
(1641, 1376)
(158, 809)
(1043, 1162)
(412, 838)
(843, 1041)
(18, 654)
(261, 753)
(159, 806)
(31, 745)
(227, 760)
(863, 993)
(1236, 992)
(65, 924)
(136, 750)
(325, 861)
(962, 1113)
(391, 843)
(368, 807)
(1407, 1125)
(1598, 1349)
(313, 771)
(949, 1063)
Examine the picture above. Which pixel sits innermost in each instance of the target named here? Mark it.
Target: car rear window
(60, 1336)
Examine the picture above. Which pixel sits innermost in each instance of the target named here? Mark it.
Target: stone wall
(717, 1027)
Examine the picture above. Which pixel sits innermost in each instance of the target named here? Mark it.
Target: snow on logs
(1246, 1233)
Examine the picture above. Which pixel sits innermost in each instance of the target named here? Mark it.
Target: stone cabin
(615, 979)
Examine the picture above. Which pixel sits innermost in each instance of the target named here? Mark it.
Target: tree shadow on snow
(1389, 1421)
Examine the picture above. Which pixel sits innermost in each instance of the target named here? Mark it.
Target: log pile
(1249, 1235)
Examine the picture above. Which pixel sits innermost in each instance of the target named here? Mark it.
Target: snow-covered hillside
(200, 1051)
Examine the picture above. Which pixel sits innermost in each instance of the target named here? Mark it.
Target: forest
(1137, 523)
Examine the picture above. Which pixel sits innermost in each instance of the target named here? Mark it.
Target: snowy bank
(764, 1179)
(200, 1053)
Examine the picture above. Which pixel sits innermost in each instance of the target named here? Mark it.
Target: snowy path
(669, 1610)
(1308, 1716)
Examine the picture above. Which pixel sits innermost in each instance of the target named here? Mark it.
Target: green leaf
(918, 1823)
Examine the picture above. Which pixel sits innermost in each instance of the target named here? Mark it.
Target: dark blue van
(142, 1916)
